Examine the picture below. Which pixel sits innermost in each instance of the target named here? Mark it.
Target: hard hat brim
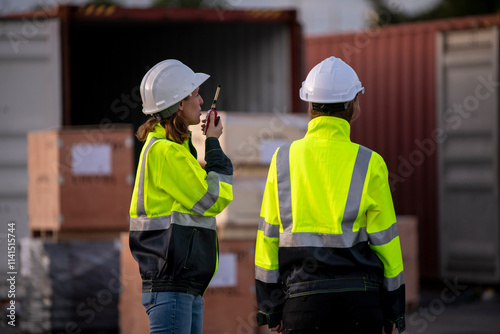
(346, 98)
(198, 80)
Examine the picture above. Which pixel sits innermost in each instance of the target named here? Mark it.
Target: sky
(316, 16)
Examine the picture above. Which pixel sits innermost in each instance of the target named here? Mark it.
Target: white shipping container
(30, 99)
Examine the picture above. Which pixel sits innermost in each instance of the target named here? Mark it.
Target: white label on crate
(91, 159)
(227, 271)
(268, 147)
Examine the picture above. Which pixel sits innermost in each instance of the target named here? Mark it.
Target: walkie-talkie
(212, 113)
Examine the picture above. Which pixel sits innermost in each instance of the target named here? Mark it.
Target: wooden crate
(408, 236)
(252, 138)
(229, 303)
(240, 219)
(249, 140)
(132, 317)
(79, 179)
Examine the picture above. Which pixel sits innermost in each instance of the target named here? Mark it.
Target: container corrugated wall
(396, 65)
(468, 174)
(30, 99)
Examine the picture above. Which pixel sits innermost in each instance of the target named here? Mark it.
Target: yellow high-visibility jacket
(173, 232)
(327, 224)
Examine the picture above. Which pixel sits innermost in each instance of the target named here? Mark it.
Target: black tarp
(73, 287)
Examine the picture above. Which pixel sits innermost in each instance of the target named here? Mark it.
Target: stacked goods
(408, 237)
(80, 184)
(250, 140)
(80, 181)
(70, 286)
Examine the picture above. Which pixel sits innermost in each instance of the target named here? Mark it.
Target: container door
(30, 99)
(467, 74)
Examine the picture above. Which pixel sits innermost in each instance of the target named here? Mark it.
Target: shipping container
(30, 99)
(74, 66)
(467, 105)
(397, 66)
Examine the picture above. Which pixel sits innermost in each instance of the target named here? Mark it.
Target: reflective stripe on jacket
(173, 232)
(327, 224)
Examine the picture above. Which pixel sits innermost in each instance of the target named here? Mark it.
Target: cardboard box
(80, 179)
(229, 303)
(408, 237)
(252, 138)
(249, 140)
(240, 219)
(132, 317)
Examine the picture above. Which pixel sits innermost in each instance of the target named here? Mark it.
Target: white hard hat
(166, 84)
(331, 81)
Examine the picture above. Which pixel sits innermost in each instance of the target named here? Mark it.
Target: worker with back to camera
(173, 233)
(328, 257)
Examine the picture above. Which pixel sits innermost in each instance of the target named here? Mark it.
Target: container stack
(80, 183)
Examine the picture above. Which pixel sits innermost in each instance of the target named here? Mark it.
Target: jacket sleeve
(206, 193)
(384, 242)
(268, 284)
(216, 160)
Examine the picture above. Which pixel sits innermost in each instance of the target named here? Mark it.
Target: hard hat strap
(329, 108)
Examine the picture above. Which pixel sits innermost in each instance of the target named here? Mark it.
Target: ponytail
(177, 129)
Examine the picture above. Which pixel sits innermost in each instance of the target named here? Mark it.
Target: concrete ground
(452, 308)
(445, 308)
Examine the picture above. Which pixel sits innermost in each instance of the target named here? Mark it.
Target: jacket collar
(160, 132)
(329, 127)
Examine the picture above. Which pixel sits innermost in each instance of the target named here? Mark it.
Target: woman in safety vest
(328, 257)
(173, 233)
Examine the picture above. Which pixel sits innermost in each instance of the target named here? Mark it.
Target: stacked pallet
(79, 189)
(80, 182)
(250, 140)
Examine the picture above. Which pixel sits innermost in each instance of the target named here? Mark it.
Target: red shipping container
(396, 65)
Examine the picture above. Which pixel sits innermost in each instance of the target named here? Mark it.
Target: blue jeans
(173, 312)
